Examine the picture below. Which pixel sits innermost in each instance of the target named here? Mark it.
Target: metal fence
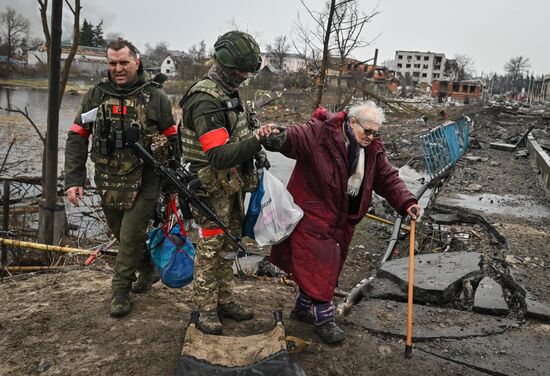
(443, 146)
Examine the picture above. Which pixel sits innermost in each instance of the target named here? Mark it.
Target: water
(36, 102)
(520, 206)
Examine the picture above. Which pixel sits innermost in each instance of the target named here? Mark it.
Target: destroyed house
(541, 89)
(465, 91)
(87, 59)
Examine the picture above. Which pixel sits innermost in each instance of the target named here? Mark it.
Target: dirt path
(58, 323)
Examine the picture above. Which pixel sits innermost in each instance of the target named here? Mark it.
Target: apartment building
(420, 67)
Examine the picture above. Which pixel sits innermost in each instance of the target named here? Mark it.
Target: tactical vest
(117, 169)
(237, 128)
(217, 182)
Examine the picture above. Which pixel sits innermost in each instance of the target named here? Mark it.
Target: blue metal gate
(443, 146)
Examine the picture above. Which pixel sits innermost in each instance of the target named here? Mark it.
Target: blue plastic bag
(254, 208)
(173, 255)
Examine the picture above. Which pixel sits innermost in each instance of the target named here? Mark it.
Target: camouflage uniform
(128, 189)
(224, 178)
(220, 149)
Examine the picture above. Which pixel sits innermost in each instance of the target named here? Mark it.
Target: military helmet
(238, 50)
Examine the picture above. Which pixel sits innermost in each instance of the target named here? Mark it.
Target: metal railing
(443, 146)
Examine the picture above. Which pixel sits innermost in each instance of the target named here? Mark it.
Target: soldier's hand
(262, 161)
(264, 131)
(73, 193)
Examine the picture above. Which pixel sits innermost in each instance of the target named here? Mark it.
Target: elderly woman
(340, 161)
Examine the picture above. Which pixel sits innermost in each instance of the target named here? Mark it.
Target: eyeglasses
(368, 131)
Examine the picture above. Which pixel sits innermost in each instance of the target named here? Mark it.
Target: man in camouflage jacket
(114, 114)
(221, 150)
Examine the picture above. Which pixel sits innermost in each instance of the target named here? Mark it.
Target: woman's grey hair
(367, 112)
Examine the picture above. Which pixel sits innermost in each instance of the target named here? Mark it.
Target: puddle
(511, 205)
(415, 180)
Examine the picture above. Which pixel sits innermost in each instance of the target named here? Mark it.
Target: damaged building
(420, 67)
(541, 89)
(461, 91)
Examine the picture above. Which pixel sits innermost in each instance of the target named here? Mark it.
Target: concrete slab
(383, 288)
(536, 309)
(519, 352)
(533, 308)
(489, 298)
(437, 277)
(390, 318)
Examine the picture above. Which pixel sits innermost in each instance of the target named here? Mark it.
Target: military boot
(235, 311)
(120, 304)
(145, 281)
(209, 322)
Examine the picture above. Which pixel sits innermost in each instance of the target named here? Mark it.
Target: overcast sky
(489, 31)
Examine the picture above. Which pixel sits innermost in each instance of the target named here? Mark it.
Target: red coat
(315, 252)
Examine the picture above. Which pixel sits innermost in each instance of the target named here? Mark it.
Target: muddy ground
(58, 323)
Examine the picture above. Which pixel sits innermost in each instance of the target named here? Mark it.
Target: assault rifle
(180, 178)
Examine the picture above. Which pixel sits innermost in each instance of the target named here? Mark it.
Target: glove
(275, 141)
(262, 161)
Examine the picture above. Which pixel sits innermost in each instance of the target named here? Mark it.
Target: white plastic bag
(278, 215)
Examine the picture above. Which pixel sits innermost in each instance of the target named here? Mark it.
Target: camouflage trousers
(213, 276)
(129, 227)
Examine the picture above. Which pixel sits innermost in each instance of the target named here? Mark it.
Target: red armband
(209, 232)
(172, 131)
(80, 130)
(212, 139)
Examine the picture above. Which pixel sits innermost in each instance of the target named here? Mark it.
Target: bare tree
(158, 50)
(460, 68)
(317, 40)
(278, 51)
(76, 39)
(15, 29)
(515, 68)
(197, 58)
(348, 25)
(337, 32)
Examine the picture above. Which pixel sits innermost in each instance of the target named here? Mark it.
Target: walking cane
(408, 346)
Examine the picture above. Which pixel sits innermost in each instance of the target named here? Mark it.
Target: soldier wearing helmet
(221, 150)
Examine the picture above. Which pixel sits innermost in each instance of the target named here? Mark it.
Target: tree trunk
(324, 62)
(50, 174)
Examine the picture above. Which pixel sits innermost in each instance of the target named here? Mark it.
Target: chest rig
(218, 182)
(120, 122)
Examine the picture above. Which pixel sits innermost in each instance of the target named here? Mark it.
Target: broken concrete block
(389, 318)
(536, 309)
(437, 277)
(382, 288)
(518, 352)
(489, 298)
(521, 154)
(533, 308)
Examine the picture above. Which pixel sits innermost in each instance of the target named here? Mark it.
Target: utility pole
(49, 189)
